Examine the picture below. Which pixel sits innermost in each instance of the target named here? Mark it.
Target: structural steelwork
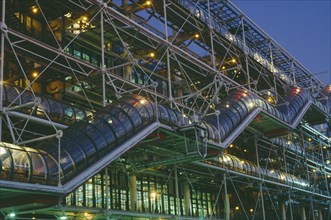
(163, 109)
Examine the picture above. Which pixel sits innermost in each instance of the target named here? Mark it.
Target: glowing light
(68, 15)
(84, 18)
(34, 10)
(223, 67)
(196, 35)
(329, 176)
(314, 170)
(142, 101)
(327, 161)
(35, 74)
(309, 139)
(298, 90)
(33, 217)
(231, 145)
(237, 208)
(251, 210)
(234, 60)
(324, 147)
(12, 214)
(2, 151)
(152, 54)
(63, 217)
(270, 99)
(227, 106)
(148, 3)
(245, 150)
(153, 195)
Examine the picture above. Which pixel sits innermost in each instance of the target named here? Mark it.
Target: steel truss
(189, 56)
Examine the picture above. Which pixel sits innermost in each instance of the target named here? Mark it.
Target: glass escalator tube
(58, 111)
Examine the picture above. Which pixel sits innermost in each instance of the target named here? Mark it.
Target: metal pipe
(37, 120)
(103, 61)
(58, 134)
(3, 26)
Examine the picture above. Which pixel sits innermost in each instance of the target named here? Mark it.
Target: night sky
(301, 27)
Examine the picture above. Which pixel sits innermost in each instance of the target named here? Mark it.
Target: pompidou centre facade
(162, 109)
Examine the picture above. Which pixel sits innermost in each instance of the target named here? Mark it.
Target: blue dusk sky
(302, 27)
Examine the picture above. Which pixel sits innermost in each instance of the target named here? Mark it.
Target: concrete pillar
(303, 213)
(133, 193)
(282, 210)
(187, 199)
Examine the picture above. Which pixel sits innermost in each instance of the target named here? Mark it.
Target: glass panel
(27, 96)
(44, 107)
(106, 129)
(52, 167)
(69, 113)
(163, 114)
(21, 165)
(117, 126)
(5, 163)
(80, 114)
(96, 136)
(226, 123)
(144, 110)
(241, 109)
(75, 151)
(39, 169)
(149, 106)
(172, 116)
(12, 95)
(56, 110)
(132, 113)
(86, 144)
(233, 115)
(123, 117)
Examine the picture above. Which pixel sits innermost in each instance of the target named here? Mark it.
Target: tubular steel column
(177, 209)
(104, 101)
(107, 193)
(258, 165)
(133, 192)
(320, 214)
(226, 200)
(127, 69)
(246, 54)
(187, 199)
(303, 213)
(168, 54)
(3, 22)
(211, 38)
(282, 210)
